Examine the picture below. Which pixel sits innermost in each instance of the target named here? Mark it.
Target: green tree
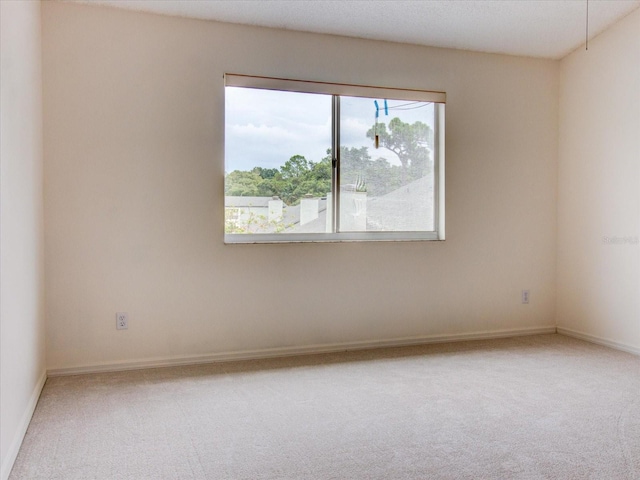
(299, 177)
(296, 167)
(242, 184)
(382, 177)
(379, 176)
(353, 163)
(411, 142)
(295, 179)
(265, 173)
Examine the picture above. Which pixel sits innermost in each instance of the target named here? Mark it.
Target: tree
(377, 176)
(265, 173)
(242, 184)
(353, 164)
(299, 177)
(410, 142)
(295, 179)
(296, 167)
(382, 177)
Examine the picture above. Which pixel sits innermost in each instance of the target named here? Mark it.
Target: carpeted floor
(539, 407)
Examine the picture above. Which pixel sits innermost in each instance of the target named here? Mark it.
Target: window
(313, 161)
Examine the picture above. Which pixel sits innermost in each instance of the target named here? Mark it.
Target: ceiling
(535, 28)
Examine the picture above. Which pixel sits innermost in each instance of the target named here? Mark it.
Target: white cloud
(353, 132)
(266, 128)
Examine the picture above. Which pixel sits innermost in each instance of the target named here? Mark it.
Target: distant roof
(395, 211)
(290, 214)
(247, 201)
(319, 225)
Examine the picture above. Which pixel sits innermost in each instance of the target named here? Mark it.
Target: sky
(267, 127)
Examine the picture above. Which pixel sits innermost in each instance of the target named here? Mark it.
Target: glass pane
(387, 165)
(277, 161)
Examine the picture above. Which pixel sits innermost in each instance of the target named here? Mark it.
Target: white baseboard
(12, 453)
(600, 341)
(291, 351)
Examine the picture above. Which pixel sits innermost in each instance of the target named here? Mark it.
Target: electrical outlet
(122, 321)
(525, 296)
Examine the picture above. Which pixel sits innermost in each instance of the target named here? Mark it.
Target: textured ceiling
(537, 28)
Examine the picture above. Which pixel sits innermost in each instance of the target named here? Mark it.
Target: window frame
(337, 90)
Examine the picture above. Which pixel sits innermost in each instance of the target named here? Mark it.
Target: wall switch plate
(525, 296)
(122, 321)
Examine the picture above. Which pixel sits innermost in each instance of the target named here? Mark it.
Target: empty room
(320, 239)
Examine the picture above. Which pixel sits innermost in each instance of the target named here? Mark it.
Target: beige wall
(134, 134)
(22, 332)
(599, 188)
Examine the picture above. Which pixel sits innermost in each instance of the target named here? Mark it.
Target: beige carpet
(525, 408)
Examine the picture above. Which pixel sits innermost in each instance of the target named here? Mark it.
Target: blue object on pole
(386, 109)
(377, 108)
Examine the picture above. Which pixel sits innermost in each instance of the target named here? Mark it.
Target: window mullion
(335, 147)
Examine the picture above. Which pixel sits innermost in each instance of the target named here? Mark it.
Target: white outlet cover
(122, 321)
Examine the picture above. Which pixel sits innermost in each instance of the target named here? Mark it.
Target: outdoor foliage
(411, 142)
(253, 224)
(299, 176)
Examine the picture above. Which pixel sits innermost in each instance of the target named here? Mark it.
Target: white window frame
(336, 90)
